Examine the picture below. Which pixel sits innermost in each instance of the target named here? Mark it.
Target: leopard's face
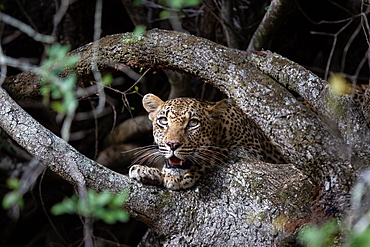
(183, 128)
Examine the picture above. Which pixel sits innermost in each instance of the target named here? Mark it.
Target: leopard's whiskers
(147, 155)
(205, 155)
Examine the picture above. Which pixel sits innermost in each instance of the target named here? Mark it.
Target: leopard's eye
(193, 123)
(162, 121)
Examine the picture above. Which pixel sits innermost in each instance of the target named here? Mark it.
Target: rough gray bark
(248, 203)
(365, 107)
(131, 128)
(275, 16)
(350, 120)
(180, 84)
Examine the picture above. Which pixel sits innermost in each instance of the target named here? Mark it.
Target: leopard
(193, 135)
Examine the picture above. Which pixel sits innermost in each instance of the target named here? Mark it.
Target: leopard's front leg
(177, 179)
(170, 178)
(146, 175)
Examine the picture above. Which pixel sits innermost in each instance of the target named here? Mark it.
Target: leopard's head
(184, 128)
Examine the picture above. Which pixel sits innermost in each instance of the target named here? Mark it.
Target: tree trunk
(241, 203)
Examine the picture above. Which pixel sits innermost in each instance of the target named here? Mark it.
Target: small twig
(128, 91)
(24, 12)
(64, 4)
(324, 21)
(340, 7)
(3, 67)
(365, 26)
(46, 212)
(26, 29)
(361, 64)
(137, 81)
(346, 48)
(334, 44)
(17, 63)
(94, 65)
(158, 6)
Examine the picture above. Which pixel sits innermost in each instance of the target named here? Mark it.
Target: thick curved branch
(62, 158)
(42, 144)
(350, 121)
(268, 199)
(131, 128)
(306, 140)
(172, 214)
(25, 86)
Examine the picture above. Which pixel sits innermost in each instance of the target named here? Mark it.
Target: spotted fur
(192, 135)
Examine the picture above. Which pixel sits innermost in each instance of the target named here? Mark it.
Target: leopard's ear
(151, 104)
(218, 109)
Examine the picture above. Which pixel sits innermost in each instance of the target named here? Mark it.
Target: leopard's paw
(172, 182)
(146, 175)
(184, 181)
(189, 180)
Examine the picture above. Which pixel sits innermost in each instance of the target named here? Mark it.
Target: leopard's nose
(174, 145)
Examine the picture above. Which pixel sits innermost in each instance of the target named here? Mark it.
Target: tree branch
(279, 114)
(305, 139)
(277, 13)
(350, 120)
(258, 203)
(168, 213)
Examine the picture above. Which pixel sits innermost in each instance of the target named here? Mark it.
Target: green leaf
(83, 209)
(69, 83)
(103, 199)
(70, 61)
(139, 2)
(165, 14)
(13, 198)
(179, 4)
(99, 213)
(122, 216)
(104, 206)
(45, 90)
(67, 206)
(362, 239)
(57, 51)
(112, 216)
(58, 107)
(56, 94)
(139, 30)
(62, 89)
(107, 79)
(319, 236)
(136, 89)
(119, 200)
(13, 183)
(188, 3)
(109, 217)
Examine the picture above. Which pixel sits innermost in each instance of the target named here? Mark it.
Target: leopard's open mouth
(175, 162)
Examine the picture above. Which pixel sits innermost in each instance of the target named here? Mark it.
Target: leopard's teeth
(177, 162)
(169, 161)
